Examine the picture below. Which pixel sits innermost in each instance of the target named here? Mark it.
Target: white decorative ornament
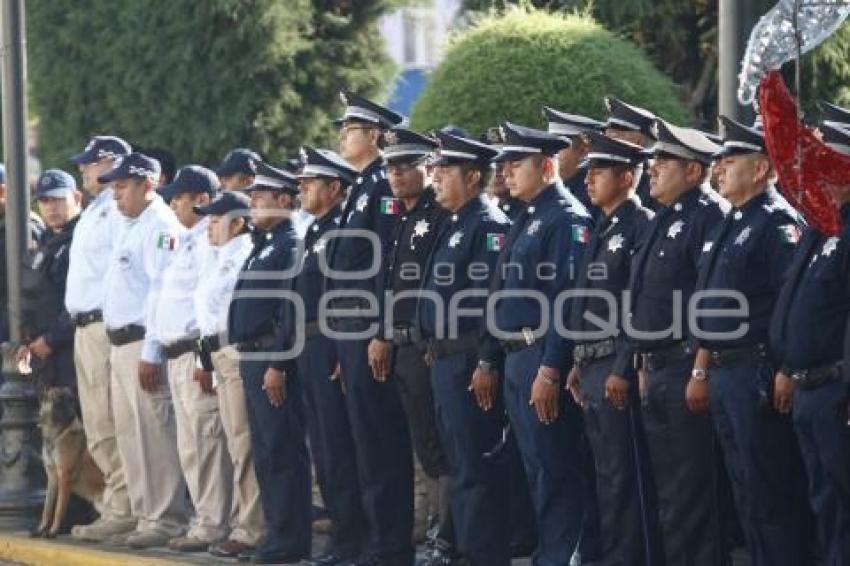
(533, 227)
(675, 229)
(455, 239)
(616, 243)
(362, 202)
(743, 236)
(829, 246)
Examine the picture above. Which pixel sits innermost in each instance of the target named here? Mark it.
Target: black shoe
(334, 558)
(365, 561)
(275, 558)
(246, 555)
(436, 556)
(522, 549)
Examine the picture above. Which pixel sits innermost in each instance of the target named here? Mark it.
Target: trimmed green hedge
(507, 66)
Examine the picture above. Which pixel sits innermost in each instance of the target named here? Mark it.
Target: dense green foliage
(199, 78)
(507, 66)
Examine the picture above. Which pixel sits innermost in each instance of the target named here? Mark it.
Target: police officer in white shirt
(231, 246)
(144, 244)
(200, 437)
(89, 257)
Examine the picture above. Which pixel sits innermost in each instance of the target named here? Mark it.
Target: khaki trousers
(247, 520)
(202, 448)
(147, 441)
(91, 359)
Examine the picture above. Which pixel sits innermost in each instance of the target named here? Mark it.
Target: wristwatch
(700, 374)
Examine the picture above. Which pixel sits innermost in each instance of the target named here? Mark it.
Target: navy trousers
(281, 462)
(619, 448)
(764, 465)
(332, 445)
(553, 460)
(820, 419)
(684, 468)
(471, 438)
(384, 454)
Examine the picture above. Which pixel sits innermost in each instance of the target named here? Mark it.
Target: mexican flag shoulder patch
(581, 234)
(495, 242)
(790, 233)
(390, 205)
(166, 241)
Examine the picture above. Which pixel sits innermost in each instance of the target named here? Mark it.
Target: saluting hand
(617, 391)
(204, 379)
(274, 382)
(783, 393)
(380, 357)
(545, 393)
(149, 376)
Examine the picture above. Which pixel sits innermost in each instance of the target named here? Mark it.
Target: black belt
(450, 346)
(85, 318)
(260, 344)
(210, 344)
(528, 340)
(738, 356)
(349, 303)
(405, 335)
(125, 334)
(584, 354)
(815, 377)
(177, 349)
(662, 357)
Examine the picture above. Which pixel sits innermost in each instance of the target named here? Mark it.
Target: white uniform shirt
(91, 249)
(143, 247)
(174, 316)
(216, 284)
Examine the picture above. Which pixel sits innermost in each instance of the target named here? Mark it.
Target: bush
(199, 78)
(505, 67)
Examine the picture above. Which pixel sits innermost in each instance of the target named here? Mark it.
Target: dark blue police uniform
(278, 437)
(664, 271)
(378, 423)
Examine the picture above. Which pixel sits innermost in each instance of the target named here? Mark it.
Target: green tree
(508, 66)
(199, 77)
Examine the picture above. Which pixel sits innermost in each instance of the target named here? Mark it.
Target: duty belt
(210, 344)
(442, 348)
(177, 349)
(405, 335)
(738, 356)
(663, 357)
(815, 377)
(259, 344)
(528, 340)
(584, 354)
(125, 335)
(85, 318)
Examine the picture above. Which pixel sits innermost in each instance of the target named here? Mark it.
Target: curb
(37, 552)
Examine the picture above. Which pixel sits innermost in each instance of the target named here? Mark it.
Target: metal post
(20, 467)
(736, 20)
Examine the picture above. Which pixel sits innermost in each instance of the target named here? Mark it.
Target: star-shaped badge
(319, 246)
(421, 228)
(533, 227)
(362, 202)
(743, 236)
(829, 246)
(455, 239)
(675, 229)
(615, 243)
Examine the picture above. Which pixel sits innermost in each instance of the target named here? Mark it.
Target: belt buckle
(716, 357)
(800, 376)
(528, 336)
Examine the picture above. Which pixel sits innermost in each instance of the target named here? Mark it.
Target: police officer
(258, 316)
(219, 372)
(47, 329)
(378, 424)
(543, 251)
(602, 362)
(571, 160)
(322, 183)
(89, 257)
(808, 334)
(634, 125)
(141, 398)
(200, 438)
(498, 189)
(470, 411)
(749, 254)
(396, 352)
(663, 278)
(236, 171)
(36, 228)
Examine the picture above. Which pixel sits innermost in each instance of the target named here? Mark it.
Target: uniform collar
(102, 197)
(547, 197)
(200, 227)
(475, 204)
(623, 211)
(329, 217)
(234, 245)
(746, 210)
(687, 200)
(376, 168)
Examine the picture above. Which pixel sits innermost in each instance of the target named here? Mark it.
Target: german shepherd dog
(67, 462)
